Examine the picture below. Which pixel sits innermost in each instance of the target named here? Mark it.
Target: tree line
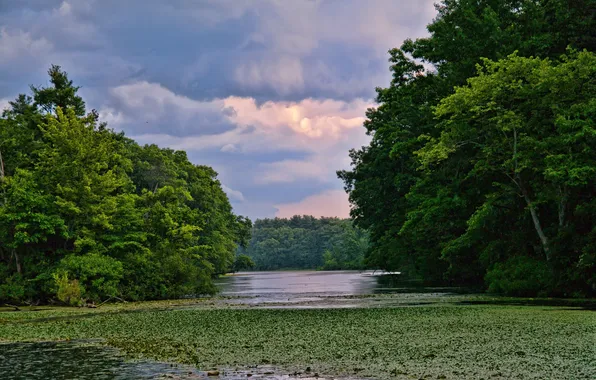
(481, 169)
(87, 214)
(306, 242)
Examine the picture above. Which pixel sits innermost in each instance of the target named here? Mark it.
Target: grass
(437, 341)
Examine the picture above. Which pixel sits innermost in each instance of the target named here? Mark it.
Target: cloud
(331, 203)
(265, 49)
(299, 41)
(315, 119)
(229, 148)
(210, 13)
(234, 195)
(12, 6)
(270, 93)
(19, 45)
(4, 104)
(299, 49)
(233, 123)
(145, 108)
(324, 130)
(289, 171)
(283, 75)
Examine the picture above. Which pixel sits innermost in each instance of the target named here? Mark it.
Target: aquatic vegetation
(439, 340)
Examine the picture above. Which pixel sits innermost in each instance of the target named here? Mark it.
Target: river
(324, 289)
(283, 289)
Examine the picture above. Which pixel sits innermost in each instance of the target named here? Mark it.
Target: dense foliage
(305, 242)
(482, 163)
(87, 214)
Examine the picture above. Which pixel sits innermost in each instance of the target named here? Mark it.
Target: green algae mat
(438, 341)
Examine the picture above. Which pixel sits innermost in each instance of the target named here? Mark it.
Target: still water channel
(292, 283)
(298, 289)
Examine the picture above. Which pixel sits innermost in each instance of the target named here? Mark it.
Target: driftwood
(111, 298)
(16, 308)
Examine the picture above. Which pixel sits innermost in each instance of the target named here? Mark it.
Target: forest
(306, 242)
(470, 250)
(482, 165)
(481, 171)
(87, 214)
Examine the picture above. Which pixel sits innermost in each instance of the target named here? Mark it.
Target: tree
(243, 262)
(27, 220)
(421, 212)
(527, 125)
(62, 94)
(88, 214)
(305, 242)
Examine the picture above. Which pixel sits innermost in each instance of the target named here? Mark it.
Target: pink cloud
(328, 203)
(293, 170)
(323, 129)
(308, 125)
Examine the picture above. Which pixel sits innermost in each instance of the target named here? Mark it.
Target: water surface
(281, 289)
(79, 360)
(90, 360)
(320, 289)
(299, 282)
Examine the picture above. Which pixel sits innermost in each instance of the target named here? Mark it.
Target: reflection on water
(292, 289)
(299, 282)
(78, 360)
(318, 283)
(319, 289)
(87, 360)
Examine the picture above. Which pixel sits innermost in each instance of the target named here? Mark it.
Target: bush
(12, 289)
(143, 278)
(67, 291)
(98, 276)
(520, 276)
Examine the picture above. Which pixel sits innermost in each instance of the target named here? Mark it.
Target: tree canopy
(306, 242)
(87, 214)
(481, 166)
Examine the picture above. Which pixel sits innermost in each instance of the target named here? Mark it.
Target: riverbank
(440, 340)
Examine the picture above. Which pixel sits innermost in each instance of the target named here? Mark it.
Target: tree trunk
(538, 226)
(1, 168)
(562, 205)
(519, 182)
(17, 261)
(561, 213)
(2, 176)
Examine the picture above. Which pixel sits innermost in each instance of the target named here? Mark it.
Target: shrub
(67, 291)
(98, 275)
(12, 288)
(520, 276)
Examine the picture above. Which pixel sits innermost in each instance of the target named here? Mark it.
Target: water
(90, 360)
(319, 289)
(297, 283)
(79, 360)
(293, 289)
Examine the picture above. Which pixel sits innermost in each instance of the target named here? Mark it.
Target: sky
(271, 93)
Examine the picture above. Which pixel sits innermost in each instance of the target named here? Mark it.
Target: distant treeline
(481, 169)
(87, 214)
(305, 242)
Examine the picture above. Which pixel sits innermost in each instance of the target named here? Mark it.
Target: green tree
(26, 221)
(527, 125)
(305, 242)
(243, 262)
(421, 215)
(88, 214)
